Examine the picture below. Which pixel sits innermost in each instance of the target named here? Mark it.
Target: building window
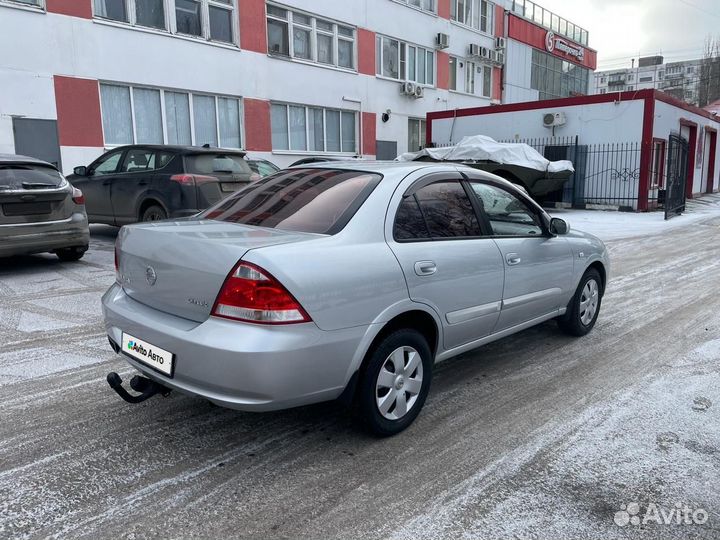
(35, 3)
(646, 79)
(212, 20)
(425, 5)
(477, 14)
(404, 62)
(305, 37)
(478, 79)
(556, 78)
(313, 129)
(416, 134)
(603, 80)
(452, 83)
(135, 115)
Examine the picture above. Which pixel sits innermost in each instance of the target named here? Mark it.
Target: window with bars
(402, 61)
(213, 20)
(477, 14)
(139, 115)
(313, 129)
(299, 35)
(424, 5)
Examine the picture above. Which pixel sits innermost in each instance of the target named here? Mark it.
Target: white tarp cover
(482, 148)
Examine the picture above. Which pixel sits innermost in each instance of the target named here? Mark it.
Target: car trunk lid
(179, 267)
(217, 175)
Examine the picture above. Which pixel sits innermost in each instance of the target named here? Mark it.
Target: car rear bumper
(27, 238)
(236, 365)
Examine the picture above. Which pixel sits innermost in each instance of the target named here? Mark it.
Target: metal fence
(605, 174)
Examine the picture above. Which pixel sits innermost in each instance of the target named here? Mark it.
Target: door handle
(425, 268)
(142, 183)
(513, 259)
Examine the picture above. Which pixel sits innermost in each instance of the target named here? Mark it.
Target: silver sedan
(343, 280)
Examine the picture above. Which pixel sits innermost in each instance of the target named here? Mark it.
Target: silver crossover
(344, 280)
(40, 211)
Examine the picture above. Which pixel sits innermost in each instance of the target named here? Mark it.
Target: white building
(279, 79)
(679, 79)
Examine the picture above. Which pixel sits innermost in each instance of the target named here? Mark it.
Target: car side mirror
(80, 171)
(559, 226)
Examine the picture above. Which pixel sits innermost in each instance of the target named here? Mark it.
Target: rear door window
(28, 176)
(306, 200)
(439, 210)
(211, 164)
(144, 160)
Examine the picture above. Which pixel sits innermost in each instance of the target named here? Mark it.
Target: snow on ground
(613, 225)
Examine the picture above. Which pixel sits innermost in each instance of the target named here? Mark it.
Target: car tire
(394, 382)
(153, 213)
(71, 254)
(578, 321)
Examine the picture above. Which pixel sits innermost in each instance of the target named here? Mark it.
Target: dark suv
(149, 183)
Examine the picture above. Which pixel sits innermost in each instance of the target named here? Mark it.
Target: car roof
(15, 158)
(183, 149)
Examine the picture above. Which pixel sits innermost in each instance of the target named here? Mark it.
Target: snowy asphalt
(536, 436)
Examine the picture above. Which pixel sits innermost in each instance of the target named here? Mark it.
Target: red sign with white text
(540, 38)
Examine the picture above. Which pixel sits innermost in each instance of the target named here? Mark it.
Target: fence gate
(676, 176)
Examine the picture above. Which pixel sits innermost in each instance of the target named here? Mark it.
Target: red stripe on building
(536, 36)
(366, 51)
(499, 21)
(369, 131)
(443, 70)
(74, 8)
(78, 111)
(253, 29)
(258, 136)
(646, 148)
(444, 8)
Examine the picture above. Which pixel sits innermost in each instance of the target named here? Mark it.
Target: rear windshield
(216, 164)
(318, 201)
(22, 176)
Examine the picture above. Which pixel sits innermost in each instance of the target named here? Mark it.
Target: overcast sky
(623, 29)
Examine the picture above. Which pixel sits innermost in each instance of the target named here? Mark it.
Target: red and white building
(618, 124)
(281, 79)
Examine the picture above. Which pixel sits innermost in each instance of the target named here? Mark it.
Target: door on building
(37, 138)
(386, 150)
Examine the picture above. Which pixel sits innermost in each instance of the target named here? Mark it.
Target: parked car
(151, 183)
(310, 160)
(40, 211)
(344, 280)
(263, 167)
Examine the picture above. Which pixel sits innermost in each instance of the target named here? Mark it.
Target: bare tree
(709, 84)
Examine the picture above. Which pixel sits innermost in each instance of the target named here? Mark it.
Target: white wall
(599, 123)
(667, 121)
(517, 73)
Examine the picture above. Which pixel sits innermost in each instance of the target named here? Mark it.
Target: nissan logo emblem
(150, 275)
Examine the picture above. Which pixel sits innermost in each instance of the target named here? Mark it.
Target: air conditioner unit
(500, 43)
(419, 92)
(554, 119)
(486, 53)
(499, 57)
(442, 41)
(475, 49)
(408, 88)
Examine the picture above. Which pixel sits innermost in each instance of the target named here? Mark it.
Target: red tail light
(250, 294)
(192, 179)
(77, 196)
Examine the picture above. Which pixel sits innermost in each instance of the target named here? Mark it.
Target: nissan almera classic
(344, 280)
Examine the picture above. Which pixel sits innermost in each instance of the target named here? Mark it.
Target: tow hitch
(145, 387)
